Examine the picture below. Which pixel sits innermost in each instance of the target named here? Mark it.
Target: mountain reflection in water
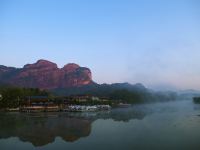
(42, 128)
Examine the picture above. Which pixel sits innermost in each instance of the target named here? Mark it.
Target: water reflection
(41, 129)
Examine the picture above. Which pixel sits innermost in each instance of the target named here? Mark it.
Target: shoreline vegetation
(31, 99)
(196, 100)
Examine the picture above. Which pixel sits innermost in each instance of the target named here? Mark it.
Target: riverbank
(57, 108)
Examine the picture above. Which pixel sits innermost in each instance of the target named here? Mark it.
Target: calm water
(160, 126)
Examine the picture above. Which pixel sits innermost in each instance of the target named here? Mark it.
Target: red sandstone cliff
(46, 75)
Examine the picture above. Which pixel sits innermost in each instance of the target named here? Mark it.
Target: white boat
(80, 108)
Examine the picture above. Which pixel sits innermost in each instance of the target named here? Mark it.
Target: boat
(32, 109)
(123, 105)
(103, 107)
(40, 109)
(80, 108)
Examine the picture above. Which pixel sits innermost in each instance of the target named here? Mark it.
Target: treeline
(120, 93)
(196, 100)
(128, 96)
(12, 97)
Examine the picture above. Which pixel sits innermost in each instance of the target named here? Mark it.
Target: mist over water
(169, 125)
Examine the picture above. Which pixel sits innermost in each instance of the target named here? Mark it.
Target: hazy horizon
(155, 43)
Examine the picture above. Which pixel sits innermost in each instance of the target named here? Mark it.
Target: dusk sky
(154, 42)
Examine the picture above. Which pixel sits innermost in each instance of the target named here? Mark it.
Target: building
(36, 101)
(39, 104)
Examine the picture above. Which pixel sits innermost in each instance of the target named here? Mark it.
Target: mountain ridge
(45, 74)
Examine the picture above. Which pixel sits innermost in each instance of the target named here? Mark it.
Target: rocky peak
(6, 69)
(46, 75)
(41, 64)
(70, 67)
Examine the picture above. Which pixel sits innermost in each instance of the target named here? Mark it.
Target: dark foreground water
(160, 126)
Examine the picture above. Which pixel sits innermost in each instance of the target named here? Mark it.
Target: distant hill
(100, 89)
(125, 92)
(188, 94)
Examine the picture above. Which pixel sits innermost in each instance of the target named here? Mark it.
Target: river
(158, 126)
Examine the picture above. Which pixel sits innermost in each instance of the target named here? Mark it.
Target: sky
(154, 42)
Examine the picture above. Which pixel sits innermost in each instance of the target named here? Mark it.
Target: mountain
(188, 94)
(75, 80)
(100, 89)
(46, 75)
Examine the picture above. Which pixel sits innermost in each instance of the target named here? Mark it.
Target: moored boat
(123, 105)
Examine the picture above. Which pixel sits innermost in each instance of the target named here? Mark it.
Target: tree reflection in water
(42, 128)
